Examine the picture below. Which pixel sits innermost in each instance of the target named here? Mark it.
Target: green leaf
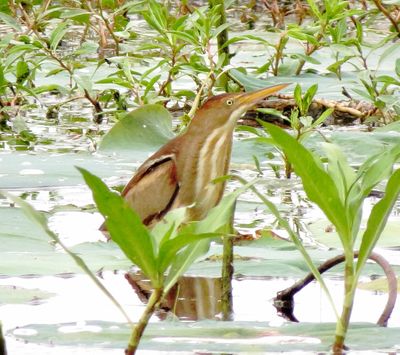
(183, 261)
(397, 67)
(125, 227)
(84, 82)
(314, 8)
(216, 219)
(145, 128)
(298, 34)
(19, 295)
(10, 21)
(170, 248)
(378, 219)
(376, 168)
(58, 34)
(339, 169)
(212, 336)
(322, 118)
(318, 185)
(40, 219)
(22, 71)
(78, 15)
(298, 243)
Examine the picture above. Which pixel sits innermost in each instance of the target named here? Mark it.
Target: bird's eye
(229, 102)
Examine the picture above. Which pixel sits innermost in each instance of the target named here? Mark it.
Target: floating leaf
(147, 127)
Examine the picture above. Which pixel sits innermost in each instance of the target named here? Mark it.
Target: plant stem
(3, 349)
(222, 38)
(227, 274)
(139, 328)
(387, 14)
(284, 301)
(349, 291)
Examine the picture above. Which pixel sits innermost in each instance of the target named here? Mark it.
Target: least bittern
(181, 173)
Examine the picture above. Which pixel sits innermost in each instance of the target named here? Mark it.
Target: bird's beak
(248, 99)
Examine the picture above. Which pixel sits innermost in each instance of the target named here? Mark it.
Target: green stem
(343, 324)
(139, 328)
(222, 38)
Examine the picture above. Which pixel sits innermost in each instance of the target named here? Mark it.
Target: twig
(284, 299)
(387, 14)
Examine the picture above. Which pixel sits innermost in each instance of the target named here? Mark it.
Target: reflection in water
(192, 298)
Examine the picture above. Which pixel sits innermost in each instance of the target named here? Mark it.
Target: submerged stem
(227, 274)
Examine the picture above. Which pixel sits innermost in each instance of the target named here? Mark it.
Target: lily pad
(323, 233)
(22, 239)
(18, 295)
(380, 285)
(211, 336)
(146, 128)
(329, 86)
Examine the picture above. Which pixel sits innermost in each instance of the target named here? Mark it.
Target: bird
(181, 173)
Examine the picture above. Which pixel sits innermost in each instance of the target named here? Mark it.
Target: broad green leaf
(318, 184)
(22, 71)
(323, 233)
(124, 226)
(145, 128)
(378, 219)
(377, 285)
(212, 336)
(10, 294)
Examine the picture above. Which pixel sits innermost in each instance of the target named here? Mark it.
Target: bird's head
(227, 108)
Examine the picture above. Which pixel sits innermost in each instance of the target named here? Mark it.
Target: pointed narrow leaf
(125, 226)
(318, 185)
(10, 21)
(216, 219)
(339, 169)
(183, 261)
(41, 220)
(378, 218)
(58, 34)
(170, 248)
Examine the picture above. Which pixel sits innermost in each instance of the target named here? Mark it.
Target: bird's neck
(203, 125)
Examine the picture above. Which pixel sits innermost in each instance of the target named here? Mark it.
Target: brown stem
(227, 274)
(284, 299)
(97, 107)
(109, 28)
(387, 14)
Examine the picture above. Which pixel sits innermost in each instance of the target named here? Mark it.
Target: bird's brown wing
(152, 191)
